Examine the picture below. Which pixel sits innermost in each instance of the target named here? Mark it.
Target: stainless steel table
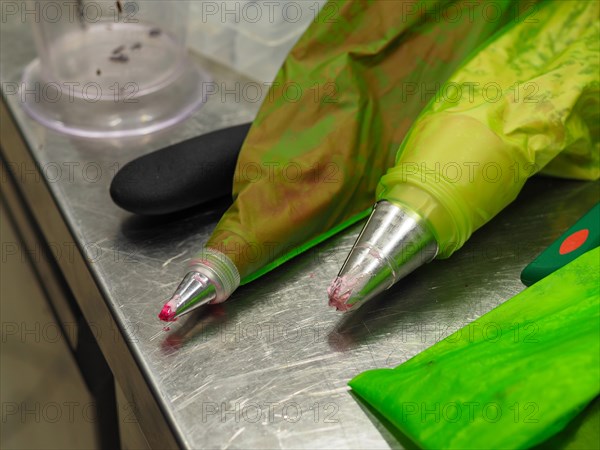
(269, 368)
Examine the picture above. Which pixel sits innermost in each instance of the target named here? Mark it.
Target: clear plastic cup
(111, 68)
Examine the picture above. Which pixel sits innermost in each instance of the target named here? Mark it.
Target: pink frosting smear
(339, 293)
(167, 314)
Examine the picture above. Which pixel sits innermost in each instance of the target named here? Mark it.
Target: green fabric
(511, 379)
(335, 116)
(528, 102)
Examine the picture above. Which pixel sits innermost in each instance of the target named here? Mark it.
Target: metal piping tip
(212, 279)
(393, 243)
(194, 291)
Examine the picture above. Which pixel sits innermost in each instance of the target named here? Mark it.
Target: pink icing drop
(339, 292)
(167, 314)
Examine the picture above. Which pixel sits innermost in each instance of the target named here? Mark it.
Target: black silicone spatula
(180, 176)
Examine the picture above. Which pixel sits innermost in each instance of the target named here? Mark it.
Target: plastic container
(252, 37)
(110, 69)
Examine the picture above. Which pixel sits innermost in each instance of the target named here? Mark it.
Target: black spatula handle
(182, 175)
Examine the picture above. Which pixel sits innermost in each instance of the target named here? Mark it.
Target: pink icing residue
(339, 292)
(167, 314)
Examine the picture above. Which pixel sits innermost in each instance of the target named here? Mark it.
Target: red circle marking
(574, 241)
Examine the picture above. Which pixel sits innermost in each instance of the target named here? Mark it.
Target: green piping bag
(511, 379)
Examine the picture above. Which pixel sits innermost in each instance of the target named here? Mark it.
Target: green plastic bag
(511, 379)
(582, 433)
(527, 102)
(335, 116)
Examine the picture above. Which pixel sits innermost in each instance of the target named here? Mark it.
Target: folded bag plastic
(511, 379)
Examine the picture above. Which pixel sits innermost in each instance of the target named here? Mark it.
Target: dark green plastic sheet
(511, 379)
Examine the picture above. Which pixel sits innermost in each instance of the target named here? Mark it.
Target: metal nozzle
(213, 278)
(195, 289)
(393, 243)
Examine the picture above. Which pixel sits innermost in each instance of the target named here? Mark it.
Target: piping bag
(513, 387)
(328, 130)
(529, 101)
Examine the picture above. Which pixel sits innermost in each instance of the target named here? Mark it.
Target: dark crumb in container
(119, 49)
(136, 46)
(98, 72)
(154, 32)
(120, 58)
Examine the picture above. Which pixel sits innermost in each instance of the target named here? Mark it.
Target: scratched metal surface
(269, 368)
